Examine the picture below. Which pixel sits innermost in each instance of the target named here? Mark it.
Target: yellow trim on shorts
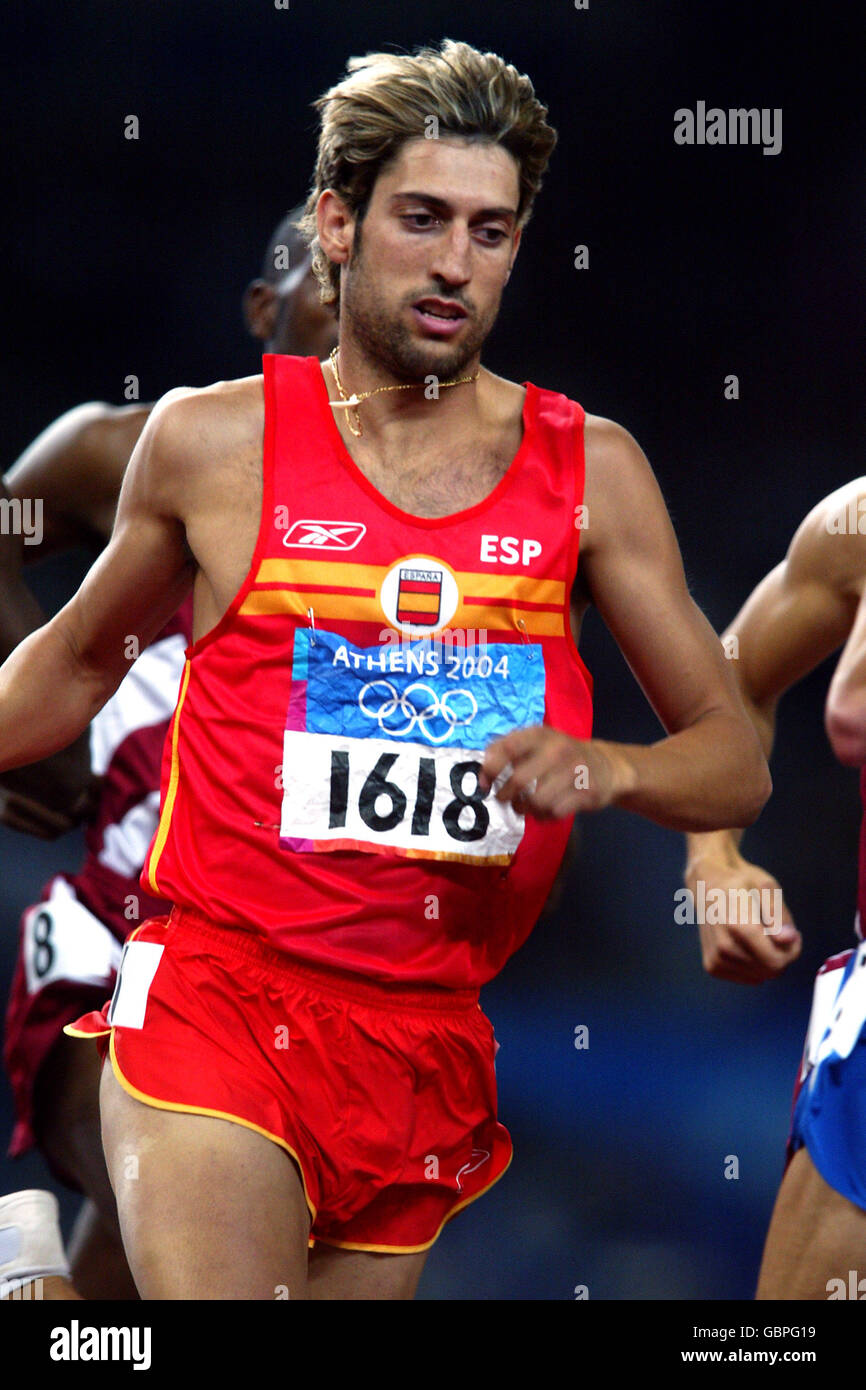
(212, 1114)
(171, 790)
(415, 1249)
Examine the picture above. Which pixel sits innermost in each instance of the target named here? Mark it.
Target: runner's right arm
(800, 613)
(65, 486)
(57, 679)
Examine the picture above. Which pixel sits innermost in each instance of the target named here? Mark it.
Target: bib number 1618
(383, 804)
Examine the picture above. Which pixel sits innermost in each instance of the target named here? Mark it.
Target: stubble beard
(387, 340)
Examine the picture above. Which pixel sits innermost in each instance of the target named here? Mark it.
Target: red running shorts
(385, 1099)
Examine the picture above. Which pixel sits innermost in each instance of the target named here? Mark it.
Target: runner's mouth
(446, 310)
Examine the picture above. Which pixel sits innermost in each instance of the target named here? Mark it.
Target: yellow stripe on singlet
(330, 574)
(171, 793)
(519, 588)
(321, 572)
(350, 607)
(543, 622)
(534, 623)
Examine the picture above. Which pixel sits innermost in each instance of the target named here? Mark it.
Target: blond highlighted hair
(388, 98)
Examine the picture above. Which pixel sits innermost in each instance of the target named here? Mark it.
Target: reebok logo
(325, 535)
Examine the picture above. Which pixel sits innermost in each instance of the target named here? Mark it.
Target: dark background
(129, 257)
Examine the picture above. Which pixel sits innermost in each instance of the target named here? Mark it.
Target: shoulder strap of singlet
(560, 425)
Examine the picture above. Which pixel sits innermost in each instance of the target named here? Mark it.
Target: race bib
(383, 746)
(63, 941)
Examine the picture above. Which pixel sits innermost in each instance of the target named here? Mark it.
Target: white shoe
(31, 1246)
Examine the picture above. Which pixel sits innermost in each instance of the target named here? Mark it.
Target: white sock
(31, 1246)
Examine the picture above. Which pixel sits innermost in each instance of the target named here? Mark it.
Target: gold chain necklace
(352, 402)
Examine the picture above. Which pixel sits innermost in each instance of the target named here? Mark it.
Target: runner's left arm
(709, 771)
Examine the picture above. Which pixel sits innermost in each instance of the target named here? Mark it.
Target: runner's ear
(260, 309)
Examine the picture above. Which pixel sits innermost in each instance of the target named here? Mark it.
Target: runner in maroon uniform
(70, 942)
(416, 237)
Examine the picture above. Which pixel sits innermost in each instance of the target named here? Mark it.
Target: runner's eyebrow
(441, 205)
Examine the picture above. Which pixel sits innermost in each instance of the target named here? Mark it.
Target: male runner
(299, 1046)
(71, 940)
(804, 609)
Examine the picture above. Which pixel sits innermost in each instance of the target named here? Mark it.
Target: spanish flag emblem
(419, 597)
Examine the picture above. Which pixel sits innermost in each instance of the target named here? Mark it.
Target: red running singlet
(319, 781)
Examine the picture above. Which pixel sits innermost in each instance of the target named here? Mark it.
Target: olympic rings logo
(393, 705)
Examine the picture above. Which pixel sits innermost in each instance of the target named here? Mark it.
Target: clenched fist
(553, 775)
